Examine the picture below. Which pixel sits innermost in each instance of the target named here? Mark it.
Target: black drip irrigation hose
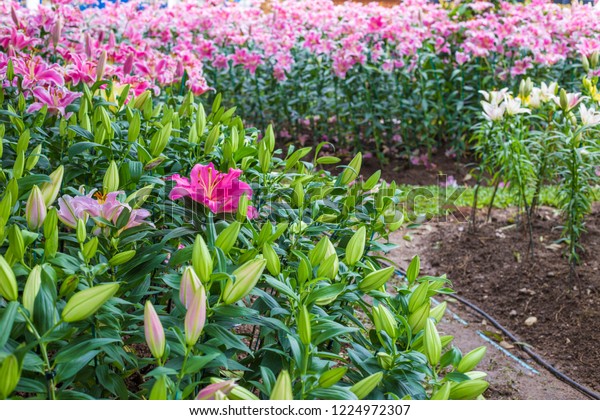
(546, 365)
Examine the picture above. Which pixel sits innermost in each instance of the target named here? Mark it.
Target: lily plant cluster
(152, 248)
(544, 135)
(395, 79)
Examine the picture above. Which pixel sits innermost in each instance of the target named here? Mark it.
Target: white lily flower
(589, 117)
(494, 97)
(493, 111)
(513, 106)
(548, 92)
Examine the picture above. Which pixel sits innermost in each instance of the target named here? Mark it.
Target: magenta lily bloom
(218, 191)
(106, 206)
(56, 98)
(37, 72)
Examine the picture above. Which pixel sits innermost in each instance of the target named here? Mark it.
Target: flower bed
(362, 76)
(154, 249)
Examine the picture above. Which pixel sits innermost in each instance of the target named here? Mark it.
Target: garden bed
(492, 268)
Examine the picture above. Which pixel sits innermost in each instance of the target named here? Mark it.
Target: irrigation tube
(581, 388)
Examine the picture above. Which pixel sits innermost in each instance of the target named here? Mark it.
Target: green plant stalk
(47, 366)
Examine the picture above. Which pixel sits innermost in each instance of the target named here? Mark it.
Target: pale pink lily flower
(209, 392)
(153, 331)
(218, 191)
(56, 98)
(572, 100)
(102, 206)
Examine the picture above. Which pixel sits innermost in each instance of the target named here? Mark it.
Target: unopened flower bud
(154, 332)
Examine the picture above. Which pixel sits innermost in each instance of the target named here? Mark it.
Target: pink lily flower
(218, 191)
(80, 70)
(57, 99)
(210, 391)
(37, 72)
(107, 207)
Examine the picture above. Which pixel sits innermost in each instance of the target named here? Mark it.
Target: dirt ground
(491, 268)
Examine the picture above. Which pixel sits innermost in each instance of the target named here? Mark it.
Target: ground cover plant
(155, 247)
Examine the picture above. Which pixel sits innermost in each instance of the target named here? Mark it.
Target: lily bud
(51, 233)
(332, 376)
(356, 246)
(443, 393)
(228, 237)
(585, 63)
(432, 343)
(128, 65)
(154, 332)
(159, 389)
(385, 360)
(212, 138)
(101, 66)
(90, 248)
(8, 282)
(385, 321)
(160, 140)
(242, 210)
(364, 387)
(121, 258)
(140, 101)
(69, 285)
(195, 318)
(51, 189)
(33, 157)
(418, 297)
(352, 171)
(304, 327)
(594, 59)
(438, 312)
(273, 263)
(417, 319)
(370, 183)
(56, 32)
(317, 254)
(19, 165)
(468, 390)
(330, 264)
(200, 120)
(111, 178)
(246, 278)
(16, 244)
(376, 279)
(134, 128)
(80, 231)
(9, 376)
(471, 359)
(564, 100)
(188, 286)
(201, 260)
(282, 390)
(85, 303)
(32, 287)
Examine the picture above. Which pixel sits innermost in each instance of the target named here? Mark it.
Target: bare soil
(493, 269)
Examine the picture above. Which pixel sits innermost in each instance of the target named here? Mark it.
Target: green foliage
(273, 303)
